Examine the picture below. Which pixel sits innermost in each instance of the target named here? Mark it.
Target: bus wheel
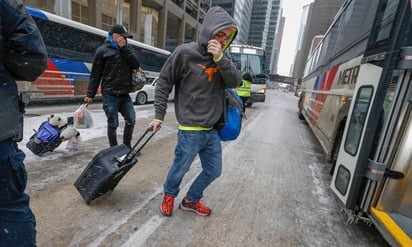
(141, 98)
(336, 147)
(300, 115)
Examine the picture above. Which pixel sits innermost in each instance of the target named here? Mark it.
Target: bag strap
(225, 106)
(234, 99)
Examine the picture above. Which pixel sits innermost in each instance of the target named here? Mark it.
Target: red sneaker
(195, 207)
(167, 205)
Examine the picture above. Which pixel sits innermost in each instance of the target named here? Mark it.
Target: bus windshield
(251, 60)
(253, 64)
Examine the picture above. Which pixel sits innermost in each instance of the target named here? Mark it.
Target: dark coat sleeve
(96, 73)
(130, 56)
(25, 54)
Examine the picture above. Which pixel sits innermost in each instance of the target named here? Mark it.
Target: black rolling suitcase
(107, 168)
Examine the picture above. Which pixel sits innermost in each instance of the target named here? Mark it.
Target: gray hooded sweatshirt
(198, 80)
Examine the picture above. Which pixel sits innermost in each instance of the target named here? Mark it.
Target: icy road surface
(274, 189)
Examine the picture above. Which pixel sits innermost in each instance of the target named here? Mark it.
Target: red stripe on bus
(57, 93)
(46, 74)
(406, 58)
(55, 88)
(328, 79)
(52, 82)
(320, 98)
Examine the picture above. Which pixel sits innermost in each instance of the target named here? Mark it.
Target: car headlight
(262, 91)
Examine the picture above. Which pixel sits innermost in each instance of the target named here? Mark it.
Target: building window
(46, 5)
(149, 24)
(109, 8)
(107, 22)
(79, 13)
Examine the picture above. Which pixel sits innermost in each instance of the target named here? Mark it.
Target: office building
(297, 63)
(315, 21)
(241, 11)
(264, 21)
(276, 49)
(164, 24)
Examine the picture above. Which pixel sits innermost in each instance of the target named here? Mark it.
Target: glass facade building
(315, 21)
(258, 22)
(241, 11)
(264, 23)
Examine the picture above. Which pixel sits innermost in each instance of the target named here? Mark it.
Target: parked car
(146, 94)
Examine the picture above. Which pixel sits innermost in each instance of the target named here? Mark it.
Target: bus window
(385, 21)
(248, 63)
(150, 60)
(80, 47)
(357, 121)
(251, 59)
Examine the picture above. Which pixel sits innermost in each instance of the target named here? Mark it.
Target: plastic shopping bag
(73, 144)
(82, 118)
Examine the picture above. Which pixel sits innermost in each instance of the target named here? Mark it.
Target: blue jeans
(189, 144)
(17, 222)
(112, 105)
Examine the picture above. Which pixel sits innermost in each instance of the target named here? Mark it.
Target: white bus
(71, 47)
(357, 98)
(251, 59)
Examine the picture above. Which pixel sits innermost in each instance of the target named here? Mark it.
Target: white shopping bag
(73, 144)
(82, 118)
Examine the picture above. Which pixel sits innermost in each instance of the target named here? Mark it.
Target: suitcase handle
(131, 154)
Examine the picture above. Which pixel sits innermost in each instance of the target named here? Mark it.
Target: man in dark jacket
(112, 69)
(23, 55)
(200, 72)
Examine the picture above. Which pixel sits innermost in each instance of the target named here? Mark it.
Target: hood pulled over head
(215, 20)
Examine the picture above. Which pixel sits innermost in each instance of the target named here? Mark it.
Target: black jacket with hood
(23, 56)
(199, 81)
(112, 67)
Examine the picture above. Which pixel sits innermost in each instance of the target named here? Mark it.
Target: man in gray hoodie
(199, 71)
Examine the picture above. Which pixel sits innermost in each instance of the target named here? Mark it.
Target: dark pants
(112, 106)
(17, 222)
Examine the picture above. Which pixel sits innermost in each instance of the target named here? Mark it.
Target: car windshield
(149, 80)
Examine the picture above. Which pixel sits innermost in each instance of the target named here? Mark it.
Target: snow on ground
(98, 130)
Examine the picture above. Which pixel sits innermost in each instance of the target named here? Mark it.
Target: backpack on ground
(233, 113)
(45, 139)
